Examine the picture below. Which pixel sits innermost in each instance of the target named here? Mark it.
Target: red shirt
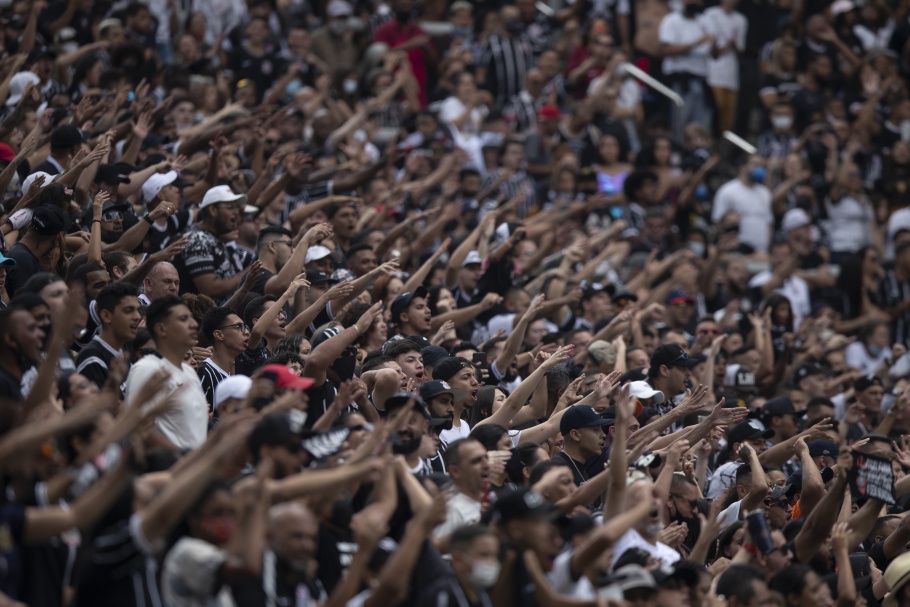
(394, 34)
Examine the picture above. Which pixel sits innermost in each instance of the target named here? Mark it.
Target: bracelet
(94, 220)
(149, 219)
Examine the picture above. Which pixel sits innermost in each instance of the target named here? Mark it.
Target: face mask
(691, 10)
(758, 174)
(338, 27)
(459, 31)
(292, 87)
(701, 192)
(484, 575)
(514, 26)
(874, 350)
(654, 528)
(782, 123)
(697, 247)
(350, 86)
(221, 528)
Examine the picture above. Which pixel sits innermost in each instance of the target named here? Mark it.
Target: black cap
(41, 52)
(431, 389)
(65, 136)
(678, 573)
(744, 381)
(49, 220)
(821, 447)
(448, 367)
(520, 504)
(865, 382)
(421, 341)
(318, 277)
(432, 355)
(777, 407)
(400, 399)
(594, 288)
(581, 416)
(110, 173)
(748, 430)
(401, 303)
(671, 355)
(277, 429)
(807, 370)
(325, 335)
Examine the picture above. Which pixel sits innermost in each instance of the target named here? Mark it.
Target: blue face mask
(874, 350)
(461, 32)
(697, 247)
(292, 87)
(701, 192)
(758, 174)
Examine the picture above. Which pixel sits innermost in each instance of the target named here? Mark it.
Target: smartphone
(757, 524)
(479, 359)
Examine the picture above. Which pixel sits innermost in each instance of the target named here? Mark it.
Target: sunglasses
(692, 503)
(781, 503)
(112, 216)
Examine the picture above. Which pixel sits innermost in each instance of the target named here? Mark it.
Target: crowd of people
(433, 303)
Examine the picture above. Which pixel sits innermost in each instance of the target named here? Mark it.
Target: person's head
(684, 495)
(163, 279)
(171, 323)
(52, 289)
(467, 463)
(582, 430)
(21, 335)
(869, 393)
(119, 311)
(219, 211)
(670, 369)
(259, 306)
(407, 354)
(361, 259)
(743, 585)
(475, 555)
(410, 312)
(799, 585)
(73, 387)
(512, 154)
(275, 245)
(460, 374)
(875, 337)
(293, 535)
(213, 518)
(779, 415)
(225, 331)
(94, 277)
(343, 219)
(523, 517)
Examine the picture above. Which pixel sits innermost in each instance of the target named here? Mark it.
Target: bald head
(162, 280)
(292, 531)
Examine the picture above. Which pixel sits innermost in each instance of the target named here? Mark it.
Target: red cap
(548, 111)
(285, 378)
(6, 153)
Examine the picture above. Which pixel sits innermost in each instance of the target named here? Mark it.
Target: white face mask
(782, 123)
(484, 575)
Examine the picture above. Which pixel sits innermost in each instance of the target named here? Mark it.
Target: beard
(405, 445)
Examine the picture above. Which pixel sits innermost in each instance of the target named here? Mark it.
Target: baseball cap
(49, 220)
(677, 572)
(744, 381)
(17, 86)
(580, 416)
(622, 297)
(748, 430)
(777, 407)
(285, 428)
(602, 352)
(449, 366)
(632, 577)
(865, 382)
(65, 136)
(113, 206)
(401, 303)
(400, 399)
(807, 370)
(234, 386)
(795, 218)
(593, 289)
(431, 389)
(28, 181)
(6, 153)
(823, 447)
(671, 355)
(896, 576)
(432, 355)
(548, 111)
(316, 253)
(219, 194)
(472, 258)
(642, 389)
(6, 261)
(678, 296)
(519, 504)
(154, 184)
(110, 173)
(339, 8)
(285, 378)
(317, 277)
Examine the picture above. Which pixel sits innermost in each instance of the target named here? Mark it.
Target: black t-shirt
(159, 237)
(10, 386)
(12, 526)
(203, 254)
(262, 69)
(94, 361)
(335, 552)
(577, 468)
(247, 362)
(448, 592)
(291, 587)
(26, 267)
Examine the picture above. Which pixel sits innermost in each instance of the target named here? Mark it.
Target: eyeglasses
(692, 503)
(242, 327)
(111, 216)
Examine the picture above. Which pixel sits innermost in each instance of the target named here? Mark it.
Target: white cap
(473, 257)
(221, 193)
(316, 253)
(339, 8)
(27, 182)
(642, 389)
(234, 386)
(842, 6)
(795, 218)
(156, 183)
(17, 86)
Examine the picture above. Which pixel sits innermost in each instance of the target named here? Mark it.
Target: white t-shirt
(455, 432)
(730, 514)
(632, 539)
(723, 72)
(899, 220)
(452, 109)
(723, 477)
(186, 424)
(795, 289)
(858, 357)
(676, 29)
(561, 579)
(753, 204)
(461, 510)
(849, 224)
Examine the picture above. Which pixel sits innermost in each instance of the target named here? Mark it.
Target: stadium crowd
(443, 303)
